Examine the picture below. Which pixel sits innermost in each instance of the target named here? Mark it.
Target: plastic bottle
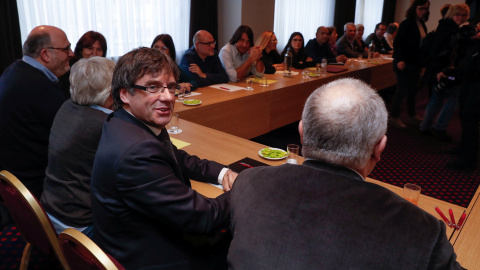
(287, 64)
(371, 52)
(324, 67)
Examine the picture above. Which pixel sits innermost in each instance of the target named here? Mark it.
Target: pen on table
(462, 219)
(452, 218)
(224, 88)
(245, 165)
(443, 216)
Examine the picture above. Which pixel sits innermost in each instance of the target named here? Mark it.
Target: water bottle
(324, 67)
(287, 64)
(371, 52)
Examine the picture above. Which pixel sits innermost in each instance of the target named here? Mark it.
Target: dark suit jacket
(212, 67)
(317, 52)
(406, 45)
(142, 202)
(381, 46)
(320, 216)
(28, 104)
(344, 47)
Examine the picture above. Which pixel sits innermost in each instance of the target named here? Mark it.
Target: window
(303, 16)
(368, 13)
(126, 24)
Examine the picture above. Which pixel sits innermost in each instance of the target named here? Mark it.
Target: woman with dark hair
(300, 59)
(90, 44)
(267, 42)
(332, 40)
(164, 42)
(407, 62)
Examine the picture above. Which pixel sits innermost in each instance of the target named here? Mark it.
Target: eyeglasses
(274, 40)
(155, 88)
(423, 8)
(65, 50)
(208, 43)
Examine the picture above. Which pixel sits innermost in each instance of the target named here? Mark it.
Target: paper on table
(191, 94)
(294, 73)
(227, 87)
(258, 80)
(178, 143)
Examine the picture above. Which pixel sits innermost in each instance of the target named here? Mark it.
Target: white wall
(229, 18)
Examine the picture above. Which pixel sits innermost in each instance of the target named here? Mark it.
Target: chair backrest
(31, 219)
(83, 254)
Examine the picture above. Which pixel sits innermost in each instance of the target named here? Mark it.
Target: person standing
(407, 62)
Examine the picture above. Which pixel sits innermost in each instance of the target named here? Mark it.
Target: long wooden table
(226, 148)
(248, 114)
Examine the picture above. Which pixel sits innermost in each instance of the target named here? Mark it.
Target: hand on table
(229, 179)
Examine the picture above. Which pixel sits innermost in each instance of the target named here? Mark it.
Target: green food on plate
(192, 101)
(272, 153)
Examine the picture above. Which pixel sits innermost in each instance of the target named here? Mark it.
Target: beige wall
(435, 16)
(258, 14)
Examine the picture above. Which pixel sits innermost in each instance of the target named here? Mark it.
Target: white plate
(265, 157)
(184, 102)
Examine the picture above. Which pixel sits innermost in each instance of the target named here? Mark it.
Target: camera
(448, 82)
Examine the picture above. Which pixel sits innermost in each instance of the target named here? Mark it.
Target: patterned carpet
(410, 157)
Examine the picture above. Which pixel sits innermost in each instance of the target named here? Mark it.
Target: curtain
(303, 16)
(389, 7)
(368, 13)
(344, 13)
(126, 24)
(203, 16)
(11, 45)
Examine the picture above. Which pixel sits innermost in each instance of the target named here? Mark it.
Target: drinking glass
(174, 125)
(249, 84)
(181, 94)
(411, 193)
(264, 81)
(292, 152)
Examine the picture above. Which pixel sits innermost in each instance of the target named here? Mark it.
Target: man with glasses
(381, 44)
(202, 61)
(142, 203)
(29, 100)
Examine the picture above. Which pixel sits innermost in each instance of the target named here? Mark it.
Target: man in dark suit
(381, 44)
(322, 214)
(29, 100)
(202, 61)
(347, 44)
(142, 202)
(317, 48)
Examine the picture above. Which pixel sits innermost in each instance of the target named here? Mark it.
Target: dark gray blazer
(142, 202)
(320, 216)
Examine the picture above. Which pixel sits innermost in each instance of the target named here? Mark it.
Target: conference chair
(83, 254)
(31, 219)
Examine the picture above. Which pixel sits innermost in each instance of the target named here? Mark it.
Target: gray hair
(360, 26)
(342, 122)
(35, 43)
(91, 80)
(348, 24)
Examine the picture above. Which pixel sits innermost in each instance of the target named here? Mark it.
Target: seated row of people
(145, 213)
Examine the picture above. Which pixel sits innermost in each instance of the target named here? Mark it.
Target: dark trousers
(469, 102)
(407, 86)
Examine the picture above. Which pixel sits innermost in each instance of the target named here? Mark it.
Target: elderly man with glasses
(142, 201)
(29, 100)
(202, 61)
